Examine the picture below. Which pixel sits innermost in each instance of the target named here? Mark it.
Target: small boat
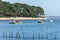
(14, 21)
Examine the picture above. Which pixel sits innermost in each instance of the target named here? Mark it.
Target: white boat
(14, 21)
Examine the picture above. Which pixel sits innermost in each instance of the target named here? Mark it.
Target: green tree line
(19, 10)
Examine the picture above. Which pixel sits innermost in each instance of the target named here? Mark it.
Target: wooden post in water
(4, 35)
(38, 35)
(32, 35)
(46, 36)
(23, 36)
(10, 34)
(17, 35)
(42, 36)
(55, 37)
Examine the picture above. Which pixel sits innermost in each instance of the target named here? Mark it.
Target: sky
(51, 7)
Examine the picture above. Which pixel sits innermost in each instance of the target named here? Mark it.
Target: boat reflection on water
(39, 21)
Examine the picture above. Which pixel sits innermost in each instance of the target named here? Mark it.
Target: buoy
(51, 20)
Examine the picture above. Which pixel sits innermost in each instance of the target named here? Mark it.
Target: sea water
(31, 29)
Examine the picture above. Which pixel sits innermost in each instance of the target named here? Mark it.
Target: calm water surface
(30, 30)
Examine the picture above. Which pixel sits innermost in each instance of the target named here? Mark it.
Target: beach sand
(21, 18)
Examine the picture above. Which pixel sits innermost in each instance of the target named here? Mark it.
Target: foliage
(19, 10)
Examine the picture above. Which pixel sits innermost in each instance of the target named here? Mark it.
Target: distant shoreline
(22, 18)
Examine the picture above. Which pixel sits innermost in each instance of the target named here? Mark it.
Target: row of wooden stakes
(18, 35)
